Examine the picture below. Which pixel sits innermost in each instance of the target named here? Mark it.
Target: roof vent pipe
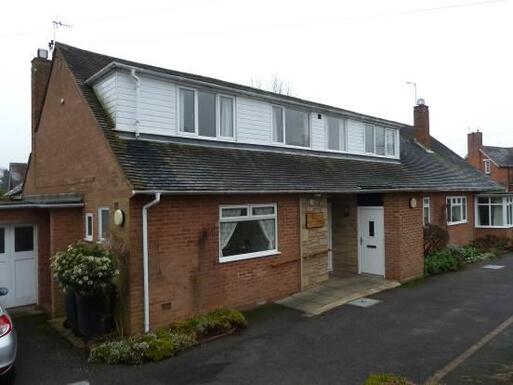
(137, 97)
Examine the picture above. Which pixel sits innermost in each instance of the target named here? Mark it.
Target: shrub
(435, 239)
(491, 244)
(167, 342)
(448, 259)
(84, 268)
(386, 379)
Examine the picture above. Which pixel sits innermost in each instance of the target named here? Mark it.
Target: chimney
(40, 74)
(474, 144)
(421, 123)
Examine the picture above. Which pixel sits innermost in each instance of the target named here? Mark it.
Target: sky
(354, 54)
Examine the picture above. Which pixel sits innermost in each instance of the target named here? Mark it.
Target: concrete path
(336, 292)
(415, 331)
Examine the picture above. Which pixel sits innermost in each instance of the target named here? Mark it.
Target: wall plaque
(314, 220)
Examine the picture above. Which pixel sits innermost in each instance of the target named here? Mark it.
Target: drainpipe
(137, 97)
(145, 261)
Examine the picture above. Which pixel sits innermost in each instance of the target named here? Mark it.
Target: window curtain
(226, 117)
(268, 228)
(227, 230)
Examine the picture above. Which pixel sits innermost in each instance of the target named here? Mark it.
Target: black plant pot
(70, 305)
(91, 314)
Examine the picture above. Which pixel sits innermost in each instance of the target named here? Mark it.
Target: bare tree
(276, 85)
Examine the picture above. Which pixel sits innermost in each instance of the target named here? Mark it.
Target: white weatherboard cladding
(158, 112)
(355, 136)
(318, 131)
(253, 121)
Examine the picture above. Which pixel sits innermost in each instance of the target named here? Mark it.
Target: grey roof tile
(184, 166)
(502, 156)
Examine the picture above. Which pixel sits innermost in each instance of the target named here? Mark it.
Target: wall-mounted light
(119, 218)
(413, 203)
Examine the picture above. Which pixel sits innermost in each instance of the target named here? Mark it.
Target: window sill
(241, 257)
(456, 223)
(494, 227)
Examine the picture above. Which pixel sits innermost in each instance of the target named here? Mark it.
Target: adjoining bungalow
(222, 195)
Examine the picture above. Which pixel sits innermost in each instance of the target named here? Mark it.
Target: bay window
(290, 126)
(247, 231)
(494, 211)
(336, 134)
(456, 210)
(206, 114)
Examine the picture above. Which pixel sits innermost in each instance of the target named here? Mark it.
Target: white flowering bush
(84, 269)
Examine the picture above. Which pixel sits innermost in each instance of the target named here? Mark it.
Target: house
(220, 195)
(497, 163)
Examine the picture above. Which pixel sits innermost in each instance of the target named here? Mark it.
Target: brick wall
(314, 242)
(345, 234)
(40, 219)
(185, 274)
(404, 237)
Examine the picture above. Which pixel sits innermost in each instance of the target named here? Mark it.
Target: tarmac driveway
(415, 331)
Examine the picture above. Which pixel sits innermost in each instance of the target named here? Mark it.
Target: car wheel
(9, 377)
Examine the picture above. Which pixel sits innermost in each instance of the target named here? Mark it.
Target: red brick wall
(185, 274)
(461, 234)
(40, 218)
(404, 238)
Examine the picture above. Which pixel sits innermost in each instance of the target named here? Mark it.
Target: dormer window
(206, 114)
(336, 134)
(380, 140)
(290, 126)
(487, 166)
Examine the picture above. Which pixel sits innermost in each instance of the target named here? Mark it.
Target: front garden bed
(167, 342)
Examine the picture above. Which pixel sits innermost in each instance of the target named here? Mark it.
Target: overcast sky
(354, 54)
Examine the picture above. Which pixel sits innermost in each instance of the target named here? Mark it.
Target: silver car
(8, 343)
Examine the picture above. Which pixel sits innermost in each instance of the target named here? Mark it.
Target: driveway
(414, 331)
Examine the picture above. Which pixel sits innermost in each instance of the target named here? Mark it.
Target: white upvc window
(206, 114)
(494, 211)
(291, 126)
(487, 166)
(88, 225)
(426, 211)
(103, 223)
(247, 231)
(336, 134)
(381, 140)
(456, 210)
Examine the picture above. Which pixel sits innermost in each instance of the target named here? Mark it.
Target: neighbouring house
(493, 211)
(16, 176)
(222, 195)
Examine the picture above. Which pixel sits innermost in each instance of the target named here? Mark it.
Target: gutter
(39, 206)
(145, 261)
(137, 98)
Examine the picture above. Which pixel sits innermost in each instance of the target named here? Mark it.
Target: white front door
(371, 234)
(18, 271)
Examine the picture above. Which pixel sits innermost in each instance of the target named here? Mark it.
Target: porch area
(336, 291)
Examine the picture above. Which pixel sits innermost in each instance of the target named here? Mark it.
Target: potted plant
(88, 274)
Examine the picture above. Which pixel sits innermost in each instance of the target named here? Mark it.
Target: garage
(18, 264)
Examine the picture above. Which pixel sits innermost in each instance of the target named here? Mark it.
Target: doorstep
(336, 291)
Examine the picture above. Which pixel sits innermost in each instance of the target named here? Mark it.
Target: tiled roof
(192, 166)
(502, 156)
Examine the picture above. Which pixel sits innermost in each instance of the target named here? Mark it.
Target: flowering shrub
(83, 268)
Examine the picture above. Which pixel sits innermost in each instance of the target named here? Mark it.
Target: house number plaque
(314, 220)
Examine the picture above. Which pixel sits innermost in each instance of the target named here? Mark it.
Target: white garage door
(18, 264)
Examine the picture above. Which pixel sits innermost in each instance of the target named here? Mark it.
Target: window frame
(248, 217)
(342, 126)
(88, 236)
(100, 223)
(284, 126)
(396, 136)
(506, 201)
(218, 96)
(487, 166)
(463, 212)
(426, 204)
